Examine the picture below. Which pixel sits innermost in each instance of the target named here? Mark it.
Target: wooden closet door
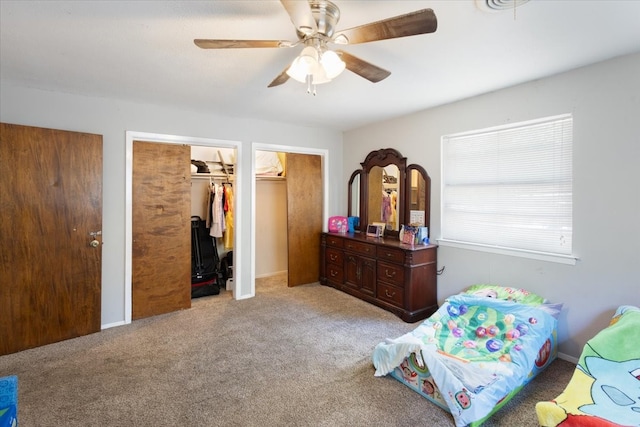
(161, 258)
(51, 200)
(304, 217)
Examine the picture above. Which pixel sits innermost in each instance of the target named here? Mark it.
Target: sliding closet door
(304, 217)
(161, 258)
(51, 199)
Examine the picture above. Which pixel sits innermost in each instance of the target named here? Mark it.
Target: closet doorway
(158, 253)
(293, 222)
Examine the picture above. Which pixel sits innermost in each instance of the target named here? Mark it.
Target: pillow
(552, 309)
(505, 293)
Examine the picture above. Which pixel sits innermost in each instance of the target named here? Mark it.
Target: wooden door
(304, 217)
(51, 200)
(161, 257)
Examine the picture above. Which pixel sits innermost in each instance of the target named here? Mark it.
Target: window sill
(541, 256)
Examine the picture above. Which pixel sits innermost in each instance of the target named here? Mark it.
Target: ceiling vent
(499, 5)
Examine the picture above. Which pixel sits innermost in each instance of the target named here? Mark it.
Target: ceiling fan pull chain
(311, 88)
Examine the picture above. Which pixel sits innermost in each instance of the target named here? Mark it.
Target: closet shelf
(270, 178)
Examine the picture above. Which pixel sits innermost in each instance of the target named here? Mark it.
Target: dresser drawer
(390, 294)
(334, 241)
(390, 254)
(360, 247)
(391, 273)
(334, 256)
(335, 273)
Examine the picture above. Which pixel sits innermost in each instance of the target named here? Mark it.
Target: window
(510, 188)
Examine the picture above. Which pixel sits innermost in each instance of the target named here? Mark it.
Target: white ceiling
(144, 51)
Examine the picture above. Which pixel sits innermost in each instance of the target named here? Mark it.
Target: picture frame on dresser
(375, 230)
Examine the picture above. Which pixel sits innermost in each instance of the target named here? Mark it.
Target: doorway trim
(324, 156)
(183, 140)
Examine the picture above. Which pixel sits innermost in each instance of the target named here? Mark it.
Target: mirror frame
(382, 158)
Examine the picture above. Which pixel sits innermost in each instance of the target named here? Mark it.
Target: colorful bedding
(473, 352)
(9, 401)
(604, 390)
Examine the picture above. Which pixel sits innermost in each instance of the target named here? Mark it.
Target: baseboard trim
(277, 273)
(568, 358)
(112, 325)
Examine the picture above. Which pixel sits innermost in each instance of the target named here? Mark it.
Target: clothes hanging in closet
(228, 209)
(388, 207)
(394, 207)
(215, 216)
(385, 213)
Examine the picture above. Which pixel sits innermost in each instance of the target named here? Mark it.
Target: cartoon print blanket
(605, 387)
(477, 349)
(9, 401)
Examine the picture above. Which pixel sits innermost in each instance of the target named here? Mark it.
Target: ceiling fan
(315, 22)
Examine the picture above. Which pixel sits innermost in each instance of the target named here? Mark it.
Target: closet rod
(212, 176)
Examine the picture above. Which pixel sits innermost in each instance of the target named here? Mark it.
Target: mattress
(475, 352)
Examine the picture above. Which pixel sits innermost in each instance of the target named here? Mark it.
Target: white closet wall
(271, 226)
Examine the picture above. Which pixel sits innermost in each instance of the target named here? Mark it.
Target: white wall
(112, 118)
(605, 102)
(271, 227)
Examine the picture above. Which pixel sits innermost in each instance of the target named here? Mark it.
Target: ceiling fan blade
(301, 16)
(233, 44)
(410, 24)
(363, 68)
(281, 79)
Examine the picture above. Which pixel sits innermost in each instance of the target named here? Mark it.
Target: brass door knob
(94, 243)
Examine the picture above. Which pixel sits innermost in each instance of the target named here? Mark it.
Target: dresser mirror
(418, 196)
(354, 194)
(384, 195)
(386, 191)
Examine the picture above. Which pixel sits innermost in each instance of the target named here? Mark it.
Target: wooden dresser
(397, 277)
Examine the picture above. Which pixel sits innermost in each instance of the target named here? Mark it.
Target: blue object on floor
(9, 401)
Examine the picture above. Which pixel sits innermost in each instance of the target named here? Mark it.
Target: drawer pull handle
(386, 292)
(333, 257)
(333, 273)
(386, 272)
(350, 246)
(389, 254)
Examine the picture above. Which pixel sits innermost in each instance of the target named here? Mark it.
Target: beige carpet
(288, 357)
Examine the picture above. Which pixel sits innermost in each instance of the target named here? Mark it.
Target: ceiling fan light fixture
(319, 75)
(309, 52)
(297, 71)
(313, 68)
(308, 59)
(332, 64)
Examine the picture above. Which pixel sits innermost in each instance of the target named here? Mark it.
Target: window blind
(510, 187)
